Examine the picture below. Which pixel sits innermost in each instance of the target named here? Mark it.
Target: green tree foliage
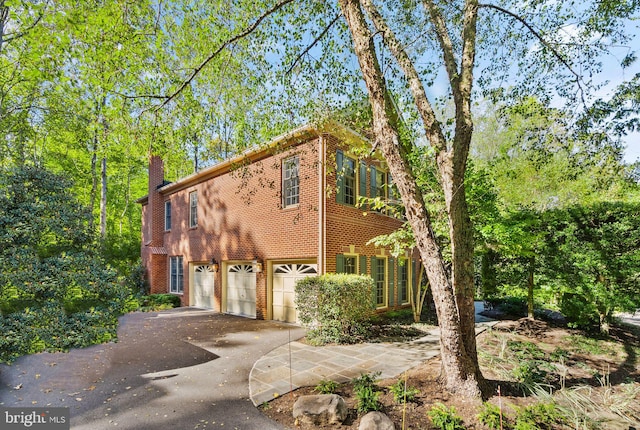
(56, 292)
(538, 162)
(595, 253)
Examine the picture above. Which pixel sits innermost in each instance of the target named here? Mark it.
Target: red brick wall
(240, 218)
(351, 226)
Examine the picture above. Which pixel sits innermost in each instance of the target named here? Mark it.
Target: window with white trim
(290, 182)
(167, 215)
(379, 274)
(346, 179)
(193, 209)
(403, 281)
(176, 275)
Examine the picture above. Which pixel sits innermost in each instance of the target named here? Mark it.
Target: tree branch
(228, 42)
(308, 48)
(445, 44)
(543, 41)
(8, 37)
(431, 125)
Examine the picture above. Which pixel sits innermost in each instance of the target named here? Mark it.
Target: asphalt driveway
(179, 369)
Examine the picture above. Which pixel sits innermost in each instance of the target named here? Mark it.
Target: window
(290, 181)
(167, 215)
(383, 188)
(176, 275)
(379, 276)
(193, 209)
(350, 265)
(346, 179)
(379, 186)
(403, 281)
(353, 264)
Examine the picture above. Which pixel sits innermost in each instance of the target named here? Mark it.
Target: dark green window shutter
(339, 176)
(339, 263)
(363, 264)
(373, 275)
(373, 183)
(363, 179)
(391, 268)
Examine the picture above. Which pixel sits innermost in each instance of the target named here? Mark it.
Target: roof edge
(263, 150)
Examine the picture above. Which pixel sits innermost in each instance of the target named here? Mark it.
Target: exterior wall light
(257, 265)
(214, 265)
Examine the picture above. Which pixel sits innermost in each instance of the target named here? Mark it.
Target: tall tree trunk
(462, 374)
(103, 199)
(452, 161)
(94, 177)
(530, 285)
(605, 325)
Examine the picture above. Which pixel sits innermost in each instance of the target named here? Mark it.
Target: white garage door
(241, 290)
(203, 286)
(284, 282)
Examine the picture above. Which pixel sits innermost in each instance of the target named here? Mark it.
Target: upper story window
(290, 181)
(193, 209)
(167, 215)
(379, 185)
(383, 188)
(176, 275)
(346, 179)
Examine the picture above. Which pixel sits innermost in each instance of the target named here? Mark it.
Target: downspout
(322, 207)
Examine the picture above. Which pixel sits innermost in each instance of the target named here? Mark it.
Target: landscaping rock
(376, 421)
(321, 409)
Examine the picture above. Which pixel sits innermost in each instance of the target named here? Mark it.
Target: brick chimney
(153, 253)
(155, 210)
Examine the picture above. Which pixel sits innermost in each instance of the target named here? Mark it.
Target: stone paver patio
(297, 364)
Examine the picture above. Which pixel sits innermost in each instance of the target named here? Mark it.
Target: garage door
(241, 290)
(203, 284)
(284, 282)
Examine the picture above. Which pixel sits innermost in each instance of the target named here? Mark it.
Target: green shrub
(367, 393)
(334, 308)
(56, 291)
(491, 416)
(402, 393)
(326, 386)
(445, 418)
(368, 400)
(136, 280)
(528, 373)
(365, 380)
(159, 302)
(579, 311)
(541, 416)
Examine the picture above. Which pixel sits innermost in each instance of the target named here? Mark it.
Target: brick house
(236, 236)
